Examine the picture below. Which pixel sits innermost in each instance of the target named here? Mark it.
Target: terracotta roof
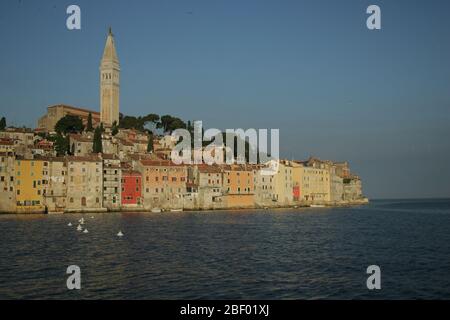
(6, 154)
(90, 158)
(81, 138)
(209, 168)
(131, 173)
(18, 130)
(236, 167)
(5, 142)
(65, 106)
(160, 163)
(49, 158)
(126, 143)
(109, 156)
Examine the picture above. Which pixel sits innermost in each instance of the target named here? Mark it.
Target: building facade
(7, 184)
(84, 184)
(55, 113)
(112, 182)
(30, 181)
(164, 184)
(56, 188)
(131, 189)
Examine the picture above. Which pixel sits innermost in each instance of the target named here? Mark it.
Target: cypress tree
(3, 123)
(89, 127)
(97, 144)
(150, 143)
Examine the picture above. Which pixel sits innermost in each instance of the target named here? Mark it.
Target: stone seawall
(363, 201)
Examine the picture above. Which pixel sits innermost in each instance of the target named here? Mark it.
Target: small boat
(317, 206)
(70, 224)
(79, 228)
(176, 210)
(81, 221)
(156, 210)
(120, 234)
(85, 231)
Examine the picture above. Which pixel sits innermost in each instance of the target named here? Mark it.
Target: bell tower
(109, 83)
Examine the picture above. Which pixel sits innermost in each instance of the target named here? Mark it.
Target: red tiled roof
(94, 113)
(90, 158)
(160, 163)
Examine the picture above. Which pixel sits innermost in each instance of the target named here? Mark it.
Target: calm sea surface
(273, 254)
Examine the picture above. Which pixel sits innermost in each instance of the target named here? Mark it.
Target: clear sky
(379, 99)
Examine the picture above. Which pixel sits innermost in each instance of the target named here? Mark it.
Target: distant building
(352, 188)
(56, 187)
(238, 186)
(112, 182)
(207, 182)
(81, 144)
(336, 185)
(56, 112)
(84, 183)
(164, 183)
(314, 182)
(264, 187)
(30, 183)
(7, 145)
(21, 138)
(283, 184)
(7, 186)
(131, 189)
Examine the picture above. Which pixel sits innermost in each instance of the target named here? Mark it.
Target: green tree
(97, 144)
(150, 143)
(164, 123)
(69, 124)
(61, 144)
(89, 126)
(3, 123)
(169, 123)
(114, 129)
(176, 123)
(130, 122)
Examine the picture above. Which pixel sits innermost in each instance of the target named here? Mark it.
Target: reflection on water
(271, 254)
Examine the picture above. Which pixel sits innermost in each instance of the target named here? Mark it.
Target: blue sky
(379, 99)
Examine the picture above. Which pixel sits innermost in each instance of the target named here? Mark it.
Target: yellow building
(30, 180)
(312, 177)
(284, 183)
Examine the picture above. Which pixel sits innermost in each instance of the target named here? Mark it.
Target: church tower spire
(109, 83)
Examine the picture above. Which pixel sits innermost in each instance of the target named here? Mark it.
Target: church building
(109, 95)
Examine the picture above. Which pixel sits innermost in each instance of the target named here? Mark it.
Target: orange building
(239, 186)
(164, 184)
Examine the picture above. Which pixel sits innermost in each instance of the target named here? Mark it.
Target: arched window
(83, 201)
